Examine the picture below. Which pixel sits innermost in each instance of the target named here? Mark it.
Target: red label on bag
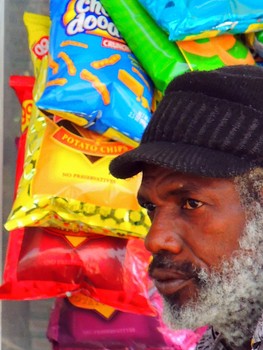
(41, 48)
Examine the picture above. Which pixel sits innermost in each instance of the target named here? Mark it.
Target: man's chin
(172, 301)
(176, 314)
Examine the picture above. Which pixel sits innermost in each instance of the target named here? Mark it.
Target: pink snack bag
(101, 327)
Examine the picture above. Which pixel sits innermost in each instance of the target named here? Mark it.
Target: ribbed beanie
(209, 123)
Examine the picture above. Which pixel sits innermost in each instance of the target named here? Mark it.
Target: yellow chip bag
(66, 182)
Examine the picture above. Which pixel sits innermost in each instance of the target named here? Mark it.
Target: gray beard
(231, 301)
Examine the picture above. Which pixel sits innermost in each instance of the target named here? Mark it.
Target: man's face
(196, 224)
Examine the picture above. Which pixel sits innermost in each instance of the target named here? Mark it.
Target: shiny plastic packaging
(161, 58)
(100, 328)
(66, 183)
(191, 20)
(44, 263)
(23, 86)
(93, 78)
(38, 27)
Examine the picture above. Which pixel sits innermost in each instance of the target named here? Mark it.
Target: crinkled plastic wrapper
(102, 328)
(47, 262)
(184, 20)
(44, 263)
(66, 183)
(38, 27)
(93, 78)
(23, 86)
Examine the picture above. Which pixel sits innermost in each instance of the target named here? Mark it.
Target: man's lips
(169, 282)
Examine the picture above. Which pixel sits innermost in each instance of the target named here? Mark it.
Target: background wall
(23, 323)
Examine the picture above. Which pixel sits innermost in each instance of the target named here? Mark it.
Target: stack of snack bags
(163, 58)
(73, 227)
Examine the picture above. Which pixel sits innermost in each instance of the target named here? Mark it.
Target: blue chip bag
(195, 19)
(93, 78)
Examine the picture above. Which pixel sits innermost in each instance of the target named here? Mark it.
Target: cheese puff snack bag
(45, 263)
(191, 20)
(93, 79)
(160, 58)
(66, 182)
(99, 327)
(216, 52)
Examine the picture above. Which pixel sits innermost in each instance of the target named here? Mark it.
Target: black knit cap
(208, 123)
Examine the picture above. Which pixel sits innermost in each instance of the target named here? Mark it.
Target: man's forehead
(151, 172)
(158, 175)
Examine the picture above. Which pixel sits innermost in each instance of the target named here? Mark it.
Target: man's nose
(162, 236)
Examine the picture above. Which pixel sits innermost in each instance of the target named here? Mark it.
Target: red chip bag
(43, 263)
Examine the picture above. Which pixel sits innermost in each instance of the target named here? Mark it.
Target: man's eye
(150, 207)
(191, 204)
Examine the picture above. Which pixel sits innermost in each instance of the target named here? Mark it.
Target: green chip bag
(160, 58)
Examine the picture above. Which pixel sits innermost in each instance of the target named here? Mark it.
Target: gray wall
(24, 323)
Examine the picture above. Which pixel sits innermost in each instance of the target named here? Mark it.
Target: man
(202, 162)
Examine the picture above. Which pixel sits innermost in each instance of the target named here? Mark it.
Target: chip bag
(66, 183)
(44, 263)
(190, 20)
(93, 78)
(100, 327)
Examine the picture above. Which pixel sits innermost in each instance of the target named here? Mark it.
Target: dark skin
(196, 223)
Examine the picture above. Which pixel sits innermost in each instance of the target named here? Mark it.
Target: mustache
(166, 261)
